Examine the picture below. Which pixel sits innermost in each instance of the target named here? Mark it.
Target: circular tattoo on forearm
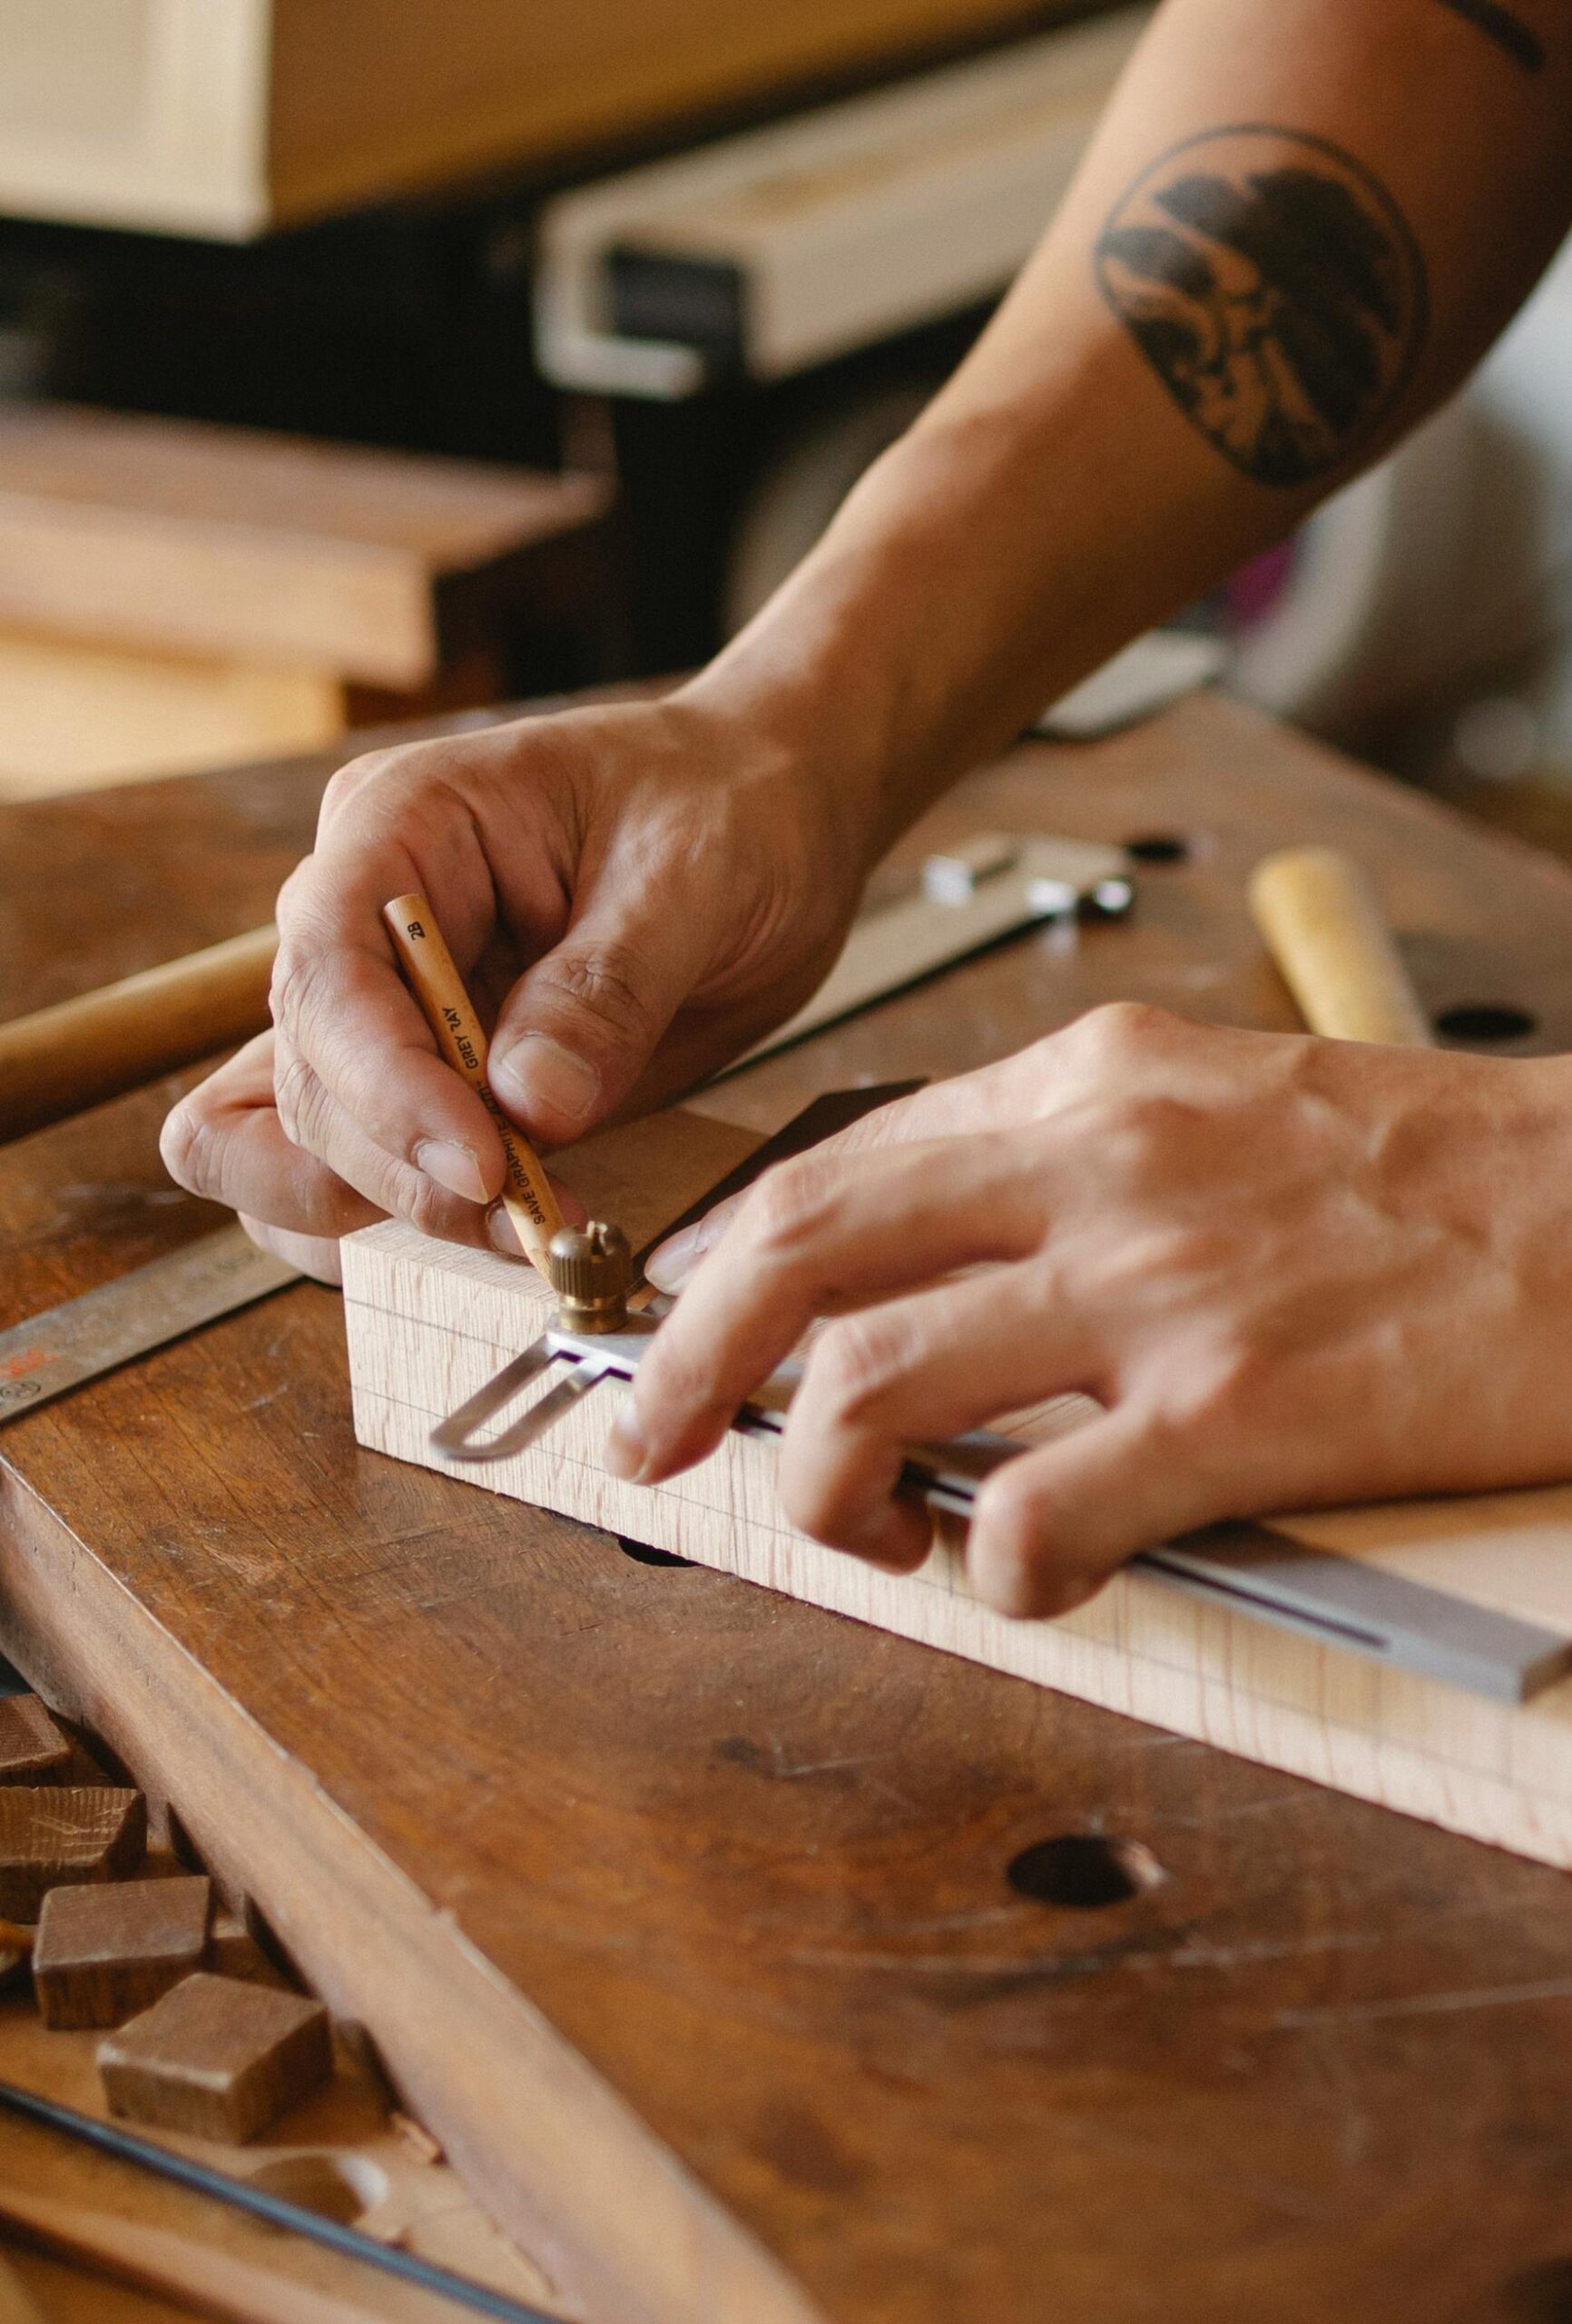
(1277, 291)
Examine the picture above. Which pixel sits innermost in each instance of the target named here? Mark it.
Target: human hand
(1290, 1271)
(634, 893)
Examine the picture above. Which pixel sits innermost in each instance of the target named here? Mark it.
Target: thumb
(1051, 1527)
(579, 1027)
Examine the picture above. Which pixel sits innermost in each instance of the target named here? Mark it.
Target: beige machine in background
(223, 118)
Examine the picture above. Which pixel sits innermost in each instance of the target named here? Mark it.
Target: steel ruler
(1245, 1567)
(86, 1337)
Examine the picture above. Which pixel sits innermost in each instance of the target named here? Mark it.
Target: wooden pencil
(437, 984)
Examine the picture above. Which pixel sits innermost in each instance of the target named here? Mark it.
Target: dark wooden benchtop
(679, 1910)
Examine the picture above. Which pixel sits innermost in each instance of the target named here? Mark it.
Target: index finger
(346, 1014)
(813, 1235)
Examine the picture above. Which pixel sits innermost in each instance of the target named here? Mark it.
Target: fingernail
(626, 1451)
(669, 1267)
(542, 1077)
(453, 1167)
(502, 1234)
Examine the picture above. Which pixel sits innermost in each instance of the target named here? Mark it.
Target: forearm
(1182, 371)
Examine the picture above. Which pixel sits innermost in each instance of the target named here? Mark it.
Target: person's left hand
(1290, 1272)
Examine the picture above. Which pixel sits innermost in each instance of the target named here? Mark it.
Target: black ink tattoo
(1508, 32)
(1275, 290)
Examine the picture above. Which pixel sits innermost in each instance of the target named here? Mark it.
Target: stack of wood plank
(173, 596)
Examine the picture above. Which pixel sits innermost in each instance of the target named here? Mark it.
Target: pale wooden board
(428, 1323)
(75, 717)
(226, 119)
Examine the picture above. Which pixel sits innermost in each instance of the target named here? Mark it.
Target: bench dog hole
(1539, 2294)
(1159, 847)
(1086, 1870)
(1485, 1021)
(643, 1553)
(337, 2187)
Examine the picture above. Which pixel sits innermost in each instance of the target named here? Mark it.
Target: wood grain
(104, 1953)
(217, 2058)
(57, 1834)
(33, 1748)
(681, 1912)
(429, 1325)
(270, 550)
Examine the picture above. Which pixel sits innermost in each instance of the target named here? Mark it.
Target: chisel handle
(63, 1059)
(1321, 923)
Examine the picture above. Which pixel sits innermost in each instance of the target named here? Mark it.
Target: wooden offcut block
(33, 1748)
(54, 1836)
(217, 2058)
(275, 551)
(103, 1953)
(234, 1952)
(429, 1323)
(174, 595)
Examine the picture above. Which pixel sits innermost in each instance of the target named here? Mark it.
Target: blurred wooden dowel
(1321, 921)
(61, 1061)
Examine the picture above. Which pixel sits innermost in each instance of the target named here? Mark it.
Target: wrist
(774, 724)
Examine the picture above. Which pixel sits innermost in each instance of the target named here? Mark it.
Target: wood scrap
(56, 1835)
(104, 1953)
(276, 552)
(233, 1952)
(33, 1748)
(217, 2059)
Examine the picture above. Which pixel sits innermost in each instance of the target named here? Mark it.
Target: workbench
(679, 1911)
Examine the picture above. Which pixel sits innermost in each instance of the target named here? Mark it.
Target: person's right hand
(637, 891)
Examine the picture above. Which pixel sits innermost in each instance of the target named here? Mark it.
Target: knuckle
(348, 783)
(423, 1206)
(1122, 1029)
(1026, 1580)
(856, 1362)
(789, 1207)
(300, 995)
(611, 985)
(1017, 1515)
(294, 892)
(815, 1508)
(298, 1096)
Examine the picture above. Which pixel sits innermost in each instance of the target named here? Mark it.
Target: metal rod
(126, 2147)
